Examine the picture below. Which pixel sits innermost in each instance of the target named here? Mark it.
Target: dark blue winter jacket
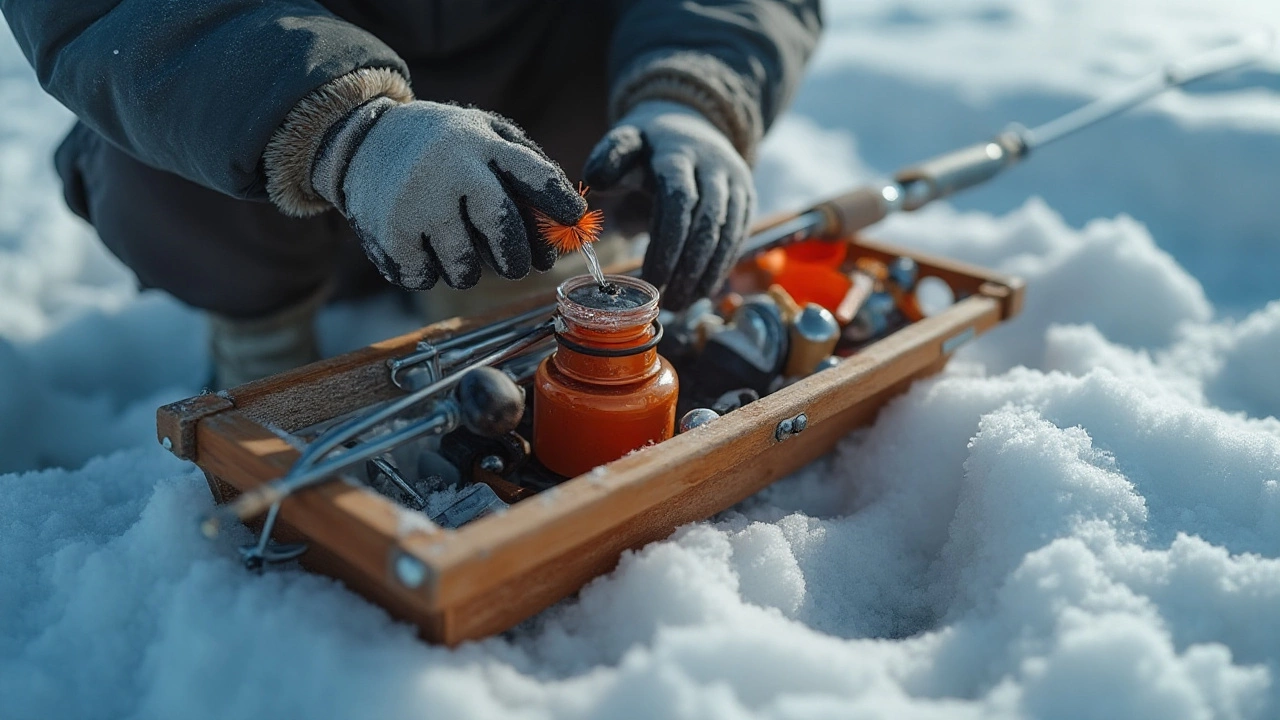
(197, 87)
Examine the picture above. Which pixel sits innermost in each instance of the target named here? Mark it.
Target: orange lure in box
(809, 271)
(606, 391)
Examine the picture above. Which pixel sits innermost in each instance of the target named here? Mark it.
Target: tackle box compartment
(490, 574)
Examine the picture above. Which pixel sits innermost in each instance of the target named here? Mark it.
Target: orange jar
(605, 391)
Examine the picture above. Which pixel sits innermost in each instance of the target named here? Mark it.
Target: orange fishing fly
(567, 238)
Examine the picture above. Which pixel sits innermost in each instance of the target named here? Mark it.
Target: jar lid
(623, 302)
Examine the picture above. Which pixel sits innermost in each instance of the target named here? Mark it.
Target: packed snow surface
(1080, 518)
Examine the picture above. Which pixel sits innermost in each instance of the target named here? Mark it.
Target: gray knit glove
(702, 194)
(433, 190)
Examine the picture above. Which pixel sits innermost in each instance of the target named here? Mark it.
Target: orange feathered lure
(567, 238)
(578, 236)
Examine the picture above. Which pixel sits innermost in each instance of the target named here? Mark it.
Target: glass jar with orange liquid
(605, 391)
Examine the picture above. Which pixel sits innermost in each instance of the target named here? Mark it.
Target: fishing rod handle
(859, 208)
(958, 170)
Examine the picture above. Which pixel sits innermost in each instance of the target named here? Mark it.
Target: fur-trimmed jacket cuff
(291, 153)
(700, 81)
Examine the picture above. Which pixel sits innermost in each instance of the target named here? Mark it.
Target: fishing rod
(436, 367)
(914, 187)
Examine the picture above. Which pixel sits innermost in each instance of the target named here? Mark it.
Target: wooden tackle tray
(492, 573)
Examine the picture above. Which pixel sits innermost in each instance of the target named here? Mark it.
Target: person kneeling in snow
(189, 110)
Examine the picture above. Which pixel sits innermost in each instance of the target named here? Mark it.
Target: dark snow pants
(234, 257)
(245, 259)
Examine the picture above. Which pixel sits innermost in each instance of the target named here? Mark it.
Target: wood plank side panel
(336, 562)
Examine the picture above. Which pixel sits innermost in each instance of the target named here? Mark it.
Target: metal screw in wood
(791, 426)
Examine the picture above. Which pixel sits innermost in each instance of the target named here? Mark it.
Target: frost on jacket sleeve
(194, 87)
(736, 61)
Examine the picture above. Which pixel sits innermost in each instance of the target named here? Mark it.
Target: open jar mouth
(628, 302)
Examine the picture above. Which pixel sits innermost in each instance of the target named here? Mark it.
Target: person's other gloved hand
(702, 194)
(433, 190)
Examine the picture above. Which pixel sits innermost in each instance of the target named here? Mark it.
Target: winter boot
(248, 350)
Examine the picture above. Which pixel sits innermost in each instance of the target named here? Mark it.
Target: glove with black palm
(702, 194)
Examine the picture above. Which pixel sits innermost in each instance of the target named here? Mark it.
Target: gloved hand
(702, 194)
(432, 190)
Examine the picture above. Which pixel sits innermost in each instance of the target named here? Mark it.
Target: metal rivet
(791, 426)
(410, 571)
(166, 443)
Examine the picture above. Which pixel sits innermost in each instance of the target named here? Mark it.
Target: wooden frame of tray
(485, 577)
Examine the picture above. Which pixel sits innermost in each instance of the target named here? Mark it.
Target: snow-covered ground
(1080, 518)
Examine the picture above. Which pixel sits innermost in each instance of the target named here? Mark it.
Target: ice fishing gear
(514, 535)
(902, 272)
(827, 363)
(900, 281)
(814, 334)
(812, 331)
(437, 469)
(750, 352)
(485, 401)
(547, 494)
(861, 285)
(686, 333)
